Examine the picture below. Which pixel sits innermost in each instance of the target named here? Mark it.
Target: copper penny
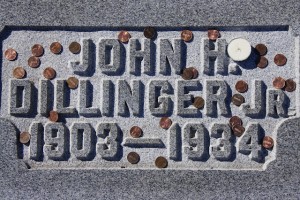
(262, 62)
(186, 35)
(187, 73)
(124, 36)
(56, 47)
(53, 116)
(136, 132)
(72, 82)
(278, 83)
(10, 54)
(24, 137)
(280, 60)
(235, 120)
(238, 130)
(133, 157)
(261, 49)
(290, 85)
(237, 99)
(241, 86)
(198, 102)
(49, 73)
(213, 34)
(161, 162)
(75, 47)
(37, 50)
(165, 122)
(19, 72)
(34, 62)
(150, 32)
(268, 142)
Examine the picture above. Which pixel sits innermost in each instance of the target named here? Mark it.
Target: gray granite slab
(69, 173)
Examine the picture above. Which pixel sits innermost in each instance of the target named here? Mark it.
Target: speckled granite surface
(281, 178)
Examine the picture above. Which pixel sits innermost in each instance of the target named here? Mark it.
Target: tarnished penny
(161, 162)
(124, 36)
(165, 122)
(10, 54)
(213, 34)
(75, 47)
(280, 60)
(186, 35)
(235, 120)
(237, 99)
(261, 49)
(188, 74)
(37, 50)
(49, 73)
(53, 116)
(278, 83)
(150, 32)
(268, 142)
(290, 85)
(136, 132)
(241, 86)
(238, 130)
(198, 102)
(262, 62)
(24, 137)
(34, 62)
(56, 47)
(72, 82)
(133, 157)
(19, 72)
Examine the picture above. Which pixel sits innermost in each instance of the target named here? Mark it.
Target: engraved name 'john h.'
(132, 97)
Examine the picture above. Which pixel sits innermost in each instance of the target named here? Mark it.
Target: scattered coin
(235, 120)
(165, 122)
(213, 34)
(72, 82)
(187, 74)
(198, 102)
(261, 49)
(278, 83)
(19, 72)
(241, 86)
(238, 130)
(10, 54)
(24, 137)
(49, 73)
(124, 36)
(268, 142)
(161, 162)
(262, 62)
(37, 50)
(53, 116)
(186, 35)
(280, 60)
(136, 132)
(237, 99)
(150, 32)
(290, 85)
(34, 62)
(56, 47)
(133, 157)
(75, 47)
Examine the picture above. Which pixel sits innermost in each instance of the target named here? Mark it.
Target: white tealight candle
(239, 49)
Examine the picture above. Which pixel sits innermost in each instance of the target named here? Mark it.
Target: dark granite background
(281, 180)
